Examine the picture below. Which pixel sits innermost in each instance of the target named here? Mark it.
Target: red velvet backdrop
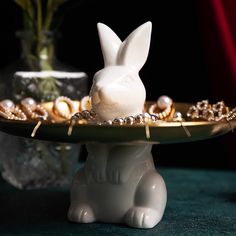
(218, 24)
(225, 17)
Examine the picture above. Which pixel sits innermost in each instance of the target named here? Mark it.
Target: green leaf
(26, 6)
(28, 10)
(22, 4)
(52, 6)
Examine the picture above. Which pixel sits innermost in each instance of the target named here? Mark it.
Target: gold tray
(163, 133)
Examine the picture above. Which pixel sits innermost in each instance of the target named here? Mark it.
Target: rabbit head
(117, 90)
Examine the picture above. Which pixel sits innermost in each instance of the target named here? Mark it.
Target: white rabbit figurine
(119, 183)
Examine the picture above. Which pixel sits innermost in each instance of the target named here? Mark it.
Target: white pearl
(8, 104)
(163, 102)
(177, 116)
(29, 102)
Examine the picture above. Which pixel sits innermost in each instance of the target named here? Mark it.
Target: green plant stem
(49, 15)
(39, 27)
(30, 12)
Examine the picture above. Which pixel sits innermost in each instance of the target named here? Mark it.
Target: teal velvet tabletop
(200, 202)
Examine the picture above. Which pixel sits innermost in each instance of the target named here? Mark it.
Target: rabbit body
(119, 182)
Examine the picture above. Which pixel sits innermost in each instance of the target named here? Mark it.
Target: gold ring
(8, 110)
(85, 103)
(33, 110)
(162, 108)
(64, 107)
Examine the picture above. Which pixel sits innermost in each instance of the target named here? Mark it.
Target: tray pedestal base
(118, 184)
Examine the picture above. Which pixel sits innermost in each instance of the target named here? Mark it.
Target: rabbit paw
(96, 175)
(81, 214)
(142, 217)
(99, 176)
(118, 175)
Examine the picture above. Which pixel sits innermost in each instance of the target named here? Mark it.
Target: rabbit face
(117, 90)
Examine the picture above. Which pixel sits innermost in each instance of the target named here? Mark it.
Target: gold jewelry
(82, 117)
(33, 110)
(64, 107)
(231, 115)
(162, 108)
(179, 118)
(8, 110)
(85, 103)
(205, 111)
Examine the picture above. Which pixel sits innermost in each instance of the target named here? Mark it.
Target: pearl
(108, 122)
(147, 117)
(163, 102)
(177, 116)
(118, 121)
(29, 102)
(129, 120)
(7, 104)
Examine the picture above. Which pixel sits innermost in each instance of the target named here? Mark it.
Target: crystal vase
(29, 163)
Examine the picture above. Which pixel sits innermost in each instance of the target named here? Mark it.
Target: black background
(176, 65)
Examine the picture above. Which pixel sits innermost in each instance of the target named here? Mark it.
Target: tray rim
(208, 129)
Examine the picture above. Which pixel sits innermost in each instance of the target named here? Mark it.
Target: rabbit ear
(110, 44)
(134, 50)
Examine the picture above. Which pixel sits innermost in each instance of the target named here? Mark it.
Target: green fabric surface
(200, 202)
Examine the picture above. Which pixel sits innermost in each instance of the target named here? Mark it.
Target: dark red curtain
(218, 24)
(218, 29)
(225, 17)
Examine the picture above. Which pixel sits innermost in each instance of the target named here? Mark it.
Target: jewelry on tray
(162, 108)
(179, 118)
(35, 112)
(82, 118)
(157, 112)
(231, 116)
(85, 103)
(205, 111)
(64, 107)
(9, 110)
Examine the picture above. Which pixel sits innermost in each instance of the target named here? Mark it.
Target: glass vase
(28, 163)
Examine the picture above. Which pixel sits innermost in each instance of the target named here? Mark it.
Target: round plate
(165, 132)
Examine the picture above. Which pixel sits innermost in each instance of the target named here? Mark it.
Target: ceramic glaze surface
(117, 90)
(119, 183)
